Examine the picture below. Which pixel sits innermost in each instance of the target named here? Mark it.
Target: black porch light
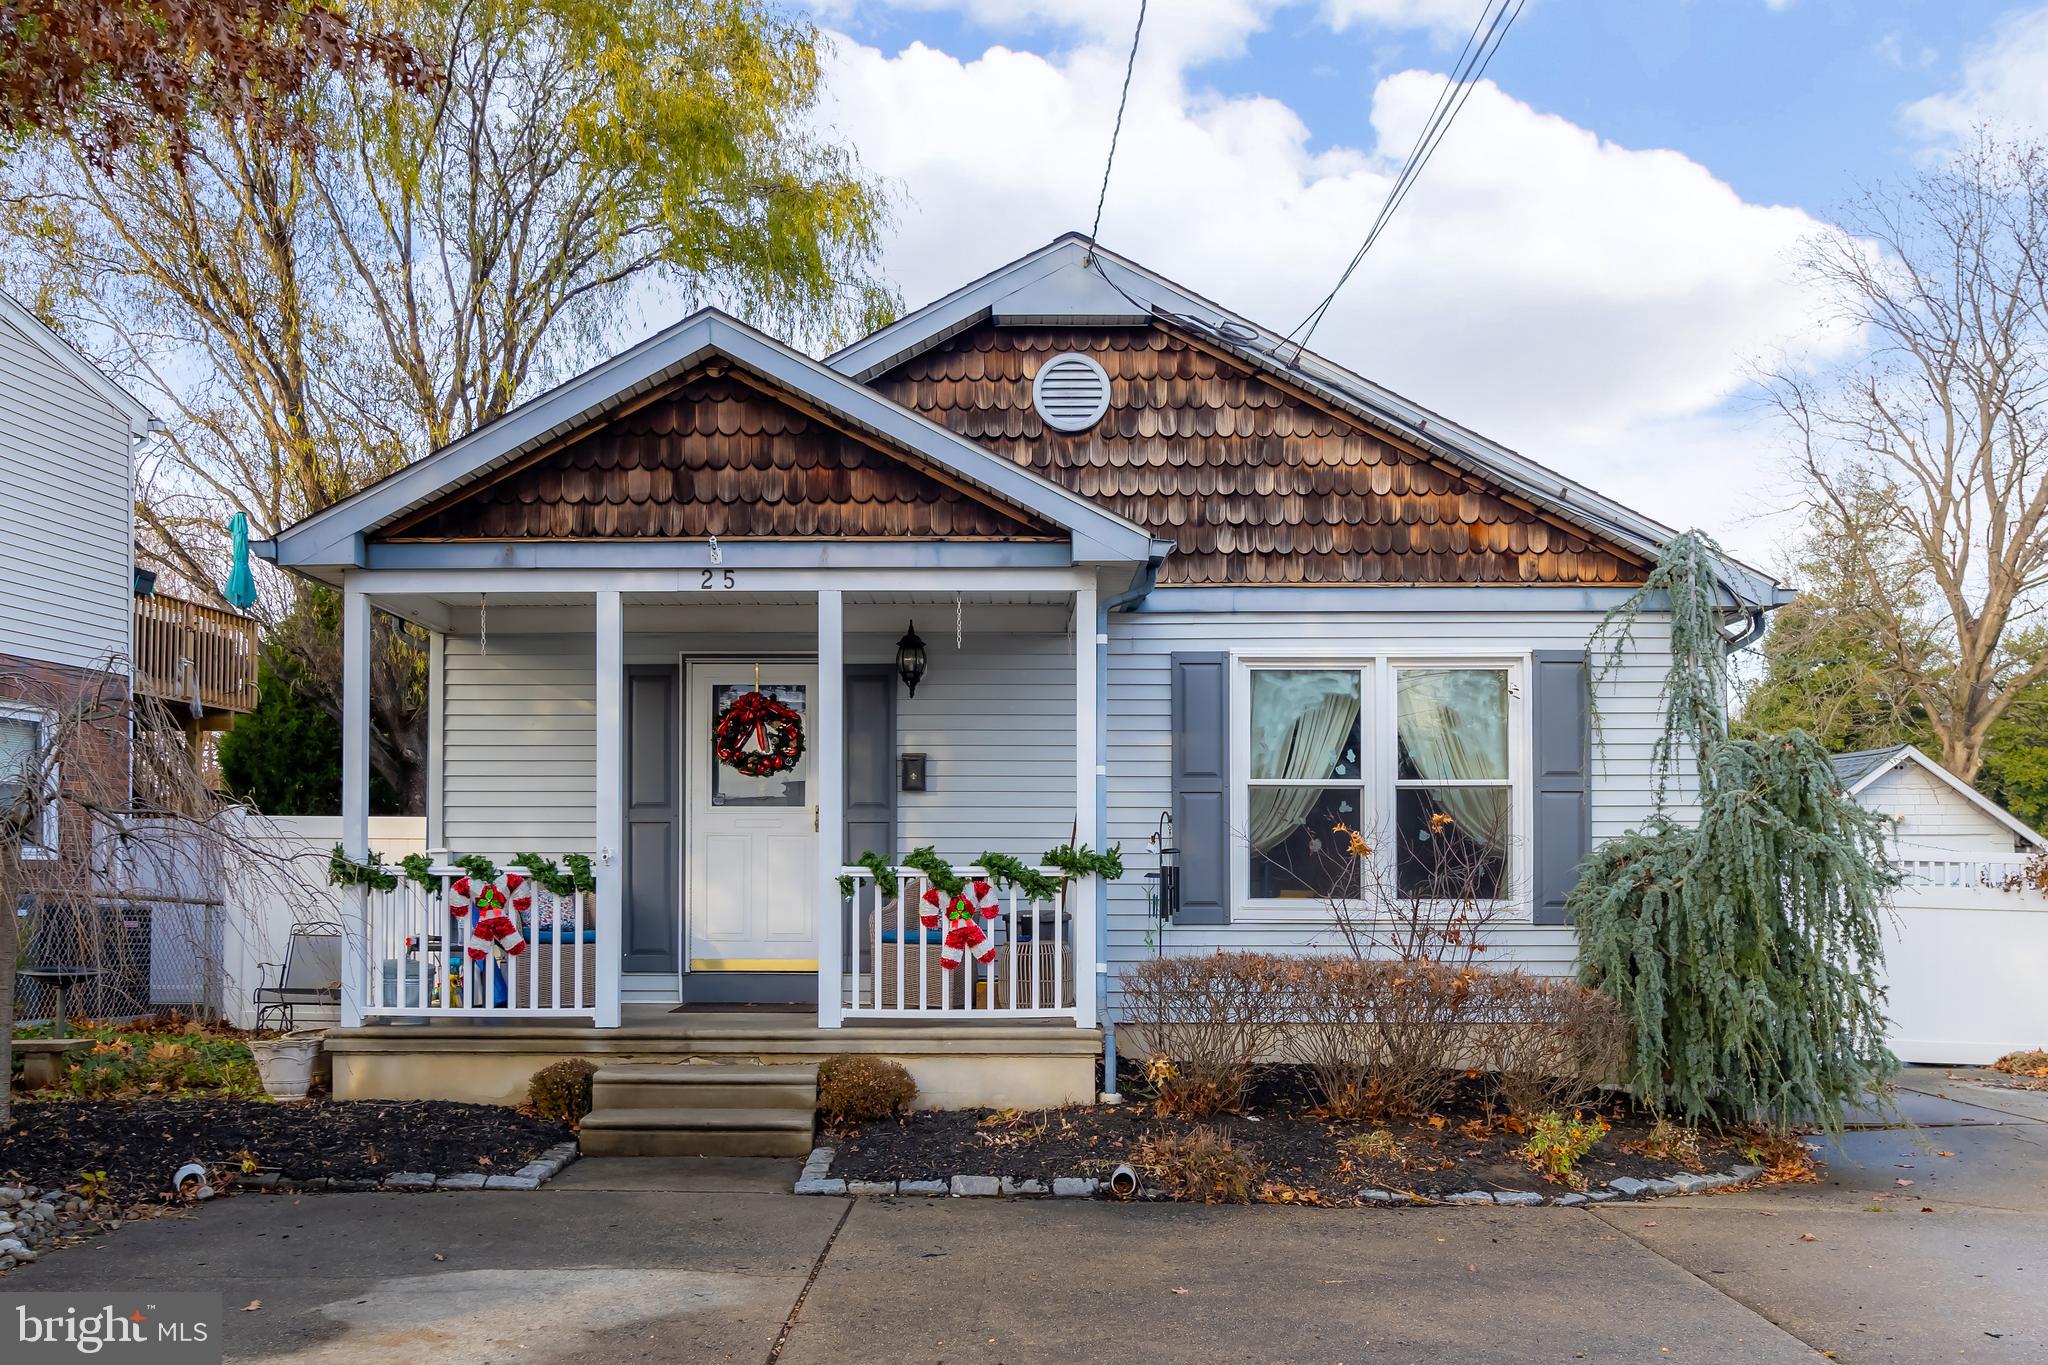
(910, 659)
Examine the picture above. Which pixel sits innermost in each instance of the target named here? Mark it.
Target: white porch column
(828, 773)
(1087, 773)
(610, 797)
(355, 793)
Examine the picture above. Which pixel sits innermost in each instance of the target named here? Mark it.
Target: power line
(1116, 132)
(1488, 33)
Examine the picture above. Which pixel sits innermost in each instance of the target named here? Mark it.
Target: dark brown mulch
(141, 1143)
(1300, 1153)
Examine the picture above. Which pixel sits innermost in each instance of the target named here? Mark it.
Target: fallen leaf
(1944, 1153)
(1177, 1291)
(1766, 1213)
(1924, 1208)
(253, 1306)
(439, 1257)
(1652, 1223)
(1808, 1237)
(1902, 1181)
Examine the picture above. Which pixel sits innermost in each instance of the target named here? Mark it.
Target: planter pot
(286, 1064)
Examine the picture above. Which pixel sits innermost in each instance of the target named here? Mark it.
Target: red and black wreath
(777, 733)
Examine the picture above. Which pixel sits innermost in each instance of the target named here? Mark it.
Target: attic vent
(1071, 392)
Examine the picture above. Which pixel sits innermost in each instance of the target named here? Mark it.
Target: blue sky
(1598, 262)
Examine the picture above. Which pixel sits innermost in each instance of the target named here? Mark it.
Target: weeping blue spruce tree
(1744, 949)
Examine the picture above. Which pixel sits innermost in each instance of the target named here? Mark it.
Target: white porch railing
(413, 960)
(892, 968)
(1998, 871)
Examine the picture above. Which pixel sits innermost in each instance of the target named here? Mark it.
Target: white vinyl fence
(262, 918)
(1966, 960)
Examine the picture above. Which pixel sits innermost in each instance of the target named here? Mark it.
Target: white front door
(753, 841)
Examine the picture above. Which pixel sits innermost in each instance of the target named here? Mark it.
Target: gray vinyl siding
(66, 513)
(996, 720)
(1139, 748)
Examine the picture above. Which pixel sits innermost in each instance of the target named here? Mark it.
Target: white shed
(1933, 811)
(1966, 947)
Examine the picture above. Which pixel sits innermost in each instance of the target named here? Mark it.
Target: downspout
(1147, 578)
(1758, 619)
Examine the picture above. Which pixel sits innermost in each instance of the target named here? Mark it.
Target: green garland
(554, 879)
(937, 871)
(1745, 950)
(1003, 870)
(1007, 872)
(878, 866)
(419, 870)
(1084, 861)
(343, 870)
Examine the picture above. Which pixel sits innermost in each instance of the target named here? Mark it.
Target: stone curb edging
(531, 1176)
(817, 1178)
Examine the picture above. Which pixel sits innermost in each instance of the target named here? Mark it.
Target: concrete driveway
(697, 1261)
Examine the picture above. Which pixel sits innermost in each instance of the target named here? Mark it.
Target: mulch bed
(141, 1143)
(1301, 1154)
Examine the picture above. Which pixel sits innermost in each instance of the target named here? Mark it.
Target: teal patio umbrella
(240, 589)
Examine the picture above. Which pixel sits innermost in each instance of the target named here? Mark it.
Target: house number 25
(717, 578)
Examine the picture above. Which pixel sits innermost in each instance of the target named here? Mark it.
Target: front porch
(579, 722)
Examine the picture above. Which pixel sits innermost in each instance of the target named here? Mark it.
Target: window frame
(45, 722)
(1378, 755)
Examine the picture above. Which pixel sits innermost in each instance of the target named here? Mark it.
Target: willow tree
(315, 300)
(1744, 947)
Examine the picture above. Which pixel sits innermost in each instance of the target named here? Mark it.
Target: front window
(1306, 779)
(1453, 805)
(23, 733)
(1418, 759)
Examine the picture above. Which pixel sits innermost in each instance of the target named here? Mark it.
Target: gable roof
(332, 538)
(140, 420)
(1071, 282)
(1862, 769)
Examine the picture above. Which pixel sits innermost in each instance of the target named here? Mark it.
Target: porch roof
(334, 540)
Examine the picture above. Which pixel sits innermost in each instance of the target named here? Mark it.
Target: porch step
(697, 1132)
(701, 1110)
(654, 1086)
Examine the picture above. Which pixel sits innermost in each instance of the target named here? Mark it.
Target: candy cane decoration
(496, 904)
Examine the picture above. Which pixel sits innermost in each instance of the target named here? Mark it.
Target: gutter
(1146, 580)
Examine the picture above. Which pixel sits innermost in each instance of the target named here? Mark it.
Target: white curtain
(1453, 725)
(1308, 748)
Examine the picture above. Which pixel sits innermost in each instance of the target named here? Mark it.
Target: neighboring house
(1165, 571)
(74, 622)
(1933, 812)
(1966, 942)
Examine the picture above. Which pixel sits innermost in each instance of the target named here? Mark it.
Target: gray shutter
(653, 822)
(1560, 716)
(1201, 785)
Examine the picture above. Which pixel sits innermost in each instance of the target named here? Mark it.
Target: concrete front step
(655, 1086)
(690, 1131)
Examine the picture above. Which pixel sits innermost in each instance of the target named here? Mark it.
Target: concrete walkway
(636, 1260)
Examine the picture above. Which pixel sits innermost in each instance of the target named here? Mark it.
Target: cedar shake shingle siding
(1252, 483)
(716, 456)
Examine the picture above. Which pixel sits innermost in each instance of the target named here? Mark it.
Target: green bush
(561, 1090)
(854, 1087)
(1558, 1144)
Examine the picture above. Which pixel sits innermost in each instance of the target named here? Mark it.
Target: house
(1966, 942)
(1069, 554)
(74, 617)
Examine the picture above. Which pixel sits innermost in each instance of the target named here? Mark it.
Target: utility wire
(1116, 132)
(1488, 33)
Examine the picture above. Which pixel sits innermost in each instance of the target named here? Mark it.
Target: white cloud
(2004, 82)
(1592, 305)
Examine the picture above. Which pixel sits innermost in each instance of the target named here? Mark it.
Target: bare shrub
(853, 1087)
(1201, 1164)
(1423, 1021)
(562, 1090)
(1669, 1140)
(1549, 1042)
(1336, 1031)
(1205, 1021)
